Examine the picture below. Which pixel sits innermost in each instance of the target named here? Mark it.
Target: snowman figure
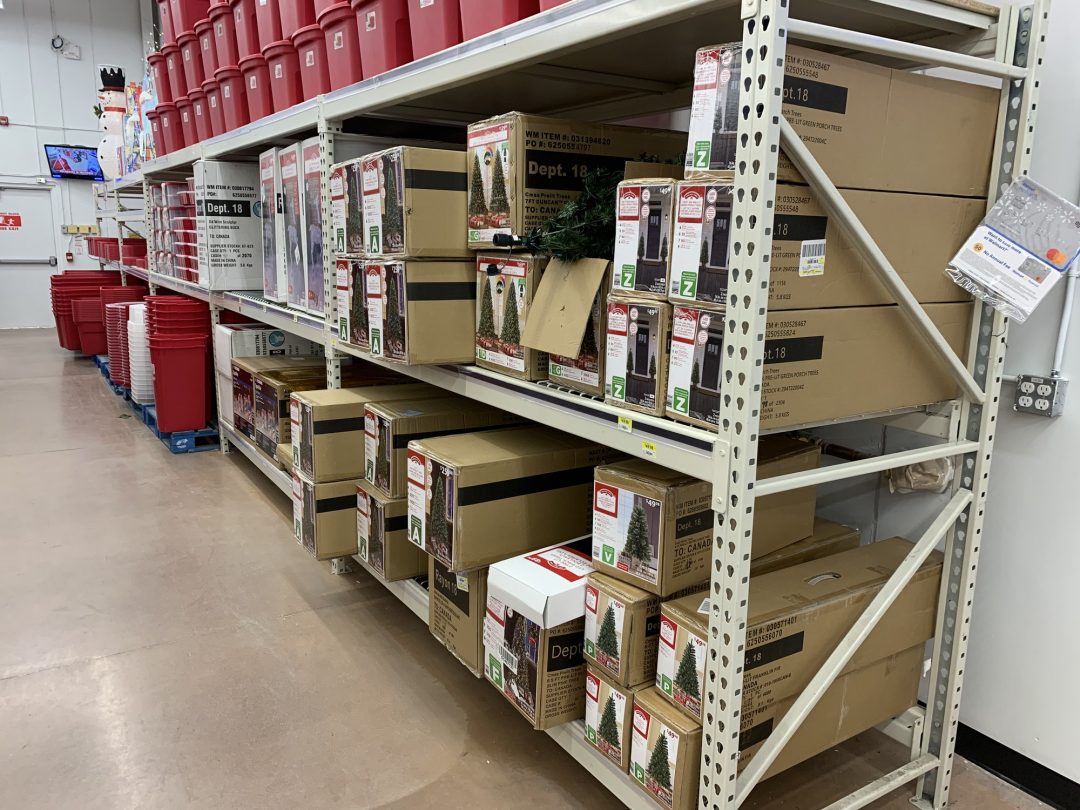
(112, 103)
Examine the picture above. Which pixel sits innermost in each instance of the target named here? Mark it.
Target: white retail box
(272, 276)
(255, 340)
(227, 224)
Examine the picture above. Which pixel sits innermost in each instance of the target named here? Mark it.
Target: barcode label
(508, 659)
(812, 258)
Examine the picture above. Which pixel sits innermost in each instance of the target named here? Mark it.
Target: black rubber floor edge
(1041, 782)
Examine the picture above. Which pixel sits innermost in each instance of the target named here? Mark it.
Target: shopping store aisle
(165, 644)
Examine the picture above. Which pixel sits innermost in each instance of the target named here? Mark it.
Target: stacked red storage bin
(178, 330)
(86, 312)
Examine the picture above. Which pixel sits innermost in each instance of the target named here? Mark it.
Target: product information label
(617, 362)
(371, 190)
(626, 531)
(298, 508)
(811, 258)
(603, 628)
(716, 76)
(416, 494)
(628, 215)
(294, 430)
(680, 665)
(338, 207)
(363, 524)
(371, 446)
(489, 169)
(501, 310)
(374, 288)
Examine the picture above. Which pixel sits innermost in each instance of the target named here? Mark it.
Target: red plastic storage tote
(153, 118)
(384, 34)
(247, 32)
(434, 25)
(172, 130)
(192, 59)
(233, 97)
(185, 13)
(268, 22)
(257, 86)
(283, 68)
(213, 106)
(201, 114)
(479, 17)
(161, 76)
(311, 55)
(546, 4)
(204, 32)
(180, 371)
(342, 45)
(221, 18)
(295, 14)
(174, 66)
(187, 120)
(168, 30)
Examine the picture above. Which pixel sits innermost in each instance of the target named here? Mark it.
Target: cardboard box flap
(465, 449)
(406, 408)
(649, 473)
(622, 591)
(641, 170)
(546, 586)
(562, 305)
(362, 394)
(654, 702)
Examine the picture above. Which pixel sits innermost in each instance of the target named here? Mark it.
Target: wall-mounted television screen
(73, 162)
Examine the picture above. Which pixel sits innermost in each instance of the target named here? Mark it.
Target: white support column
(327, 132)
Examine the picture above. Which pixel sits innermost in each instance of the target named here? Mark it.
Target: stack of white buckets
(141, 369)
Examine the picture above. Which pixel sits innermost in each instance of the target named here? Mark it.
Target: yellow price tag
(626, 424)
(649, 449)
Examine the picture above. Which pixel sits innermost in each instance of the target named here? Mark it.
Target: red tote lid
(226, 72)
(335, 13)
(252, 61)
(184, 37)
(307, 33)
(275, 49)
(155, 57)
(171, 48)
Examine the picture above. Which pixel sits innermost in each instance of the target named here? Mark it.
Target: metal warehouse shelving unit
(607, 59)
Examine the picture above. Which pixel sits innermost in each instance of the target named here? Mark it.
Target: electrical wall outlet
(1040, 396)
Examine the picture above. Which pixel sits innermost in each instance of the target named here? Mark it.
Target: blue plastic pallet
(182, 441)
(102, 363)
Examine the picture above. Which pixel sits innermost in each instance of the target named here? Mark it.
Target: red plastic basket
(180, 381)
(221, 18)
(434, 25)
(310, 43)
(479, 17)
(283, 71)
(385, 42)
(342, 45)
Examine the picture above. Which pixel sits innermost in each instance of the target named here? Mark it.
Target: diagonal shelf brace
(836, 206)
(851, 642)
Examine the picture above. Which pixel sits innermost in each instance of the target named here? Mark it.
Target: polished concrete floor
(164, 643)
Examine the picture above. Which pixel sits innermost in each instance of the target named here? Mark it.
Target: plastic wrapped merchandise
(1027, 240)
(935, 475)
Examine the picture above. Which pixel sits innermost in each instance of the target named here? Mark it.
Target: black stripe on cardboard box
(440, 290)
(565, 651)
(445, 583)
(401, 442)
(692, 524)
(325, 426)
(396, 524)
(793, 350)
(324, 505)
(435, 180)
(562, 171)
(529, 485)
(755, 734)
(795, 227)
(815, 95)
(773, 651)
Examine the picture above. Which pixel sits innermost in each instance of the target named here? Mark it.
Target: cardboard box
(533, 632)
(244, 370)
(609, 711)
(456, 606)
(272, 390)
(381, 539)
(814, 264)
(324, 517)
(283, 455)
(855, 703)
(255, 340)
(638, 338)
(328, 427)
(414, 200)
(505, 286)
(422, 311)
(273, 281)
(476, 498)
(820, 364)
(622, 629)
(643, 234)
(653, 527)
(352, 303)
(225, 400)
(311, 227)
(390, 426)
(665, 752)
(868, 126)
(828, 538)
(523, 168)
(797, 616)
(585, 371)
(291, 251)
(227, 224)
(347, 208)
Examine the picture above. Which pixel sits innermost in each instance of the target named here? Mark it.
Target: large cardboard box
(476, 498)
(638, 339)
(291, 208)
(273, 280)
(643, 233)
(255, 340)
(665, 752)
(820, 364)
(505, 286)
(390, 426)
(653, 527)
(414, 202)
(609, 709)
(797, 616)
(422, 311)
(324, 517)
(868, 126)
(456, 606)
(347, 208)
(585, 371)
(523, 168)
(381, 540)
(244, 370)
(328, 427)
(533, 630)
(814, 264)
(622, 629)
(272, 391)
(353, 324)
(828, 538)
(227, 224)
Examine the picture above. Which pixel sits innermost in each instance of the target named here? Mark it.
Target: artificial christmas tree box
(390, 426)
(533, 632)
(283, 455)
(255, 340)
(643, 233)
(227, 224)
(346, 209)
(381, 539)
(352, 303)
(272, 390)
(273, 282)
(244, 370)
(622, 628)
(414, 202)
(653, 527)
(868, 126)
(422, 312)
(476, 498)
(291, 251)
(609, 708)
(637, 341)
(505, 286)
(523, 168)
(828, 538)
(324, 517)
(328, 427)
(456, 605)
(665, 751)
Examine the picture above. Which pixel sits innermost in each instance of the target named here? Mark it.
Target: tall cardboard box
(422, 312)
(414, 201)
(868, 126)
(274, 283)
(638, 339)
(381, 540)
(291, 251)
(622, 629)
(244, 370)
(665, 752)
(390, 426)
(227, 224)
(828, 538)
(324, 517)
(272, 391)
(328, 427)
(643, 231)
(533, 631)
(505, 286)
(456, 606)
(653, 527)
(797, 616)
(523, 168)
(311, 228)
(352, 303)
(347, 208)
(609, 709)
(476, 498)
(585, 371)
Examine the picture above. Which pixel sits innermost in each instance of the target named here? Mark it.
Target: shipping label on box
(227, 222)
(695, 365)
(643, 236)
(312, 227)
(680, 662)
(699, 259)
(636, 362)
(291, 165)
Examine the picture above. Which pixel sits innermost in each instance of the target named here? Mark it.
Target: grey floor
(164, 643)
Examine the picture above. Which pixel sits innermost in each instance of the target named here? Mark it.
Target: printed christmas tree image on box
(626, 530)
(605, 709)
(489, 203)
(603, 628)
(502, 293)
(512, 656)
(431, 505)
(655, 750)
(680, 665)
